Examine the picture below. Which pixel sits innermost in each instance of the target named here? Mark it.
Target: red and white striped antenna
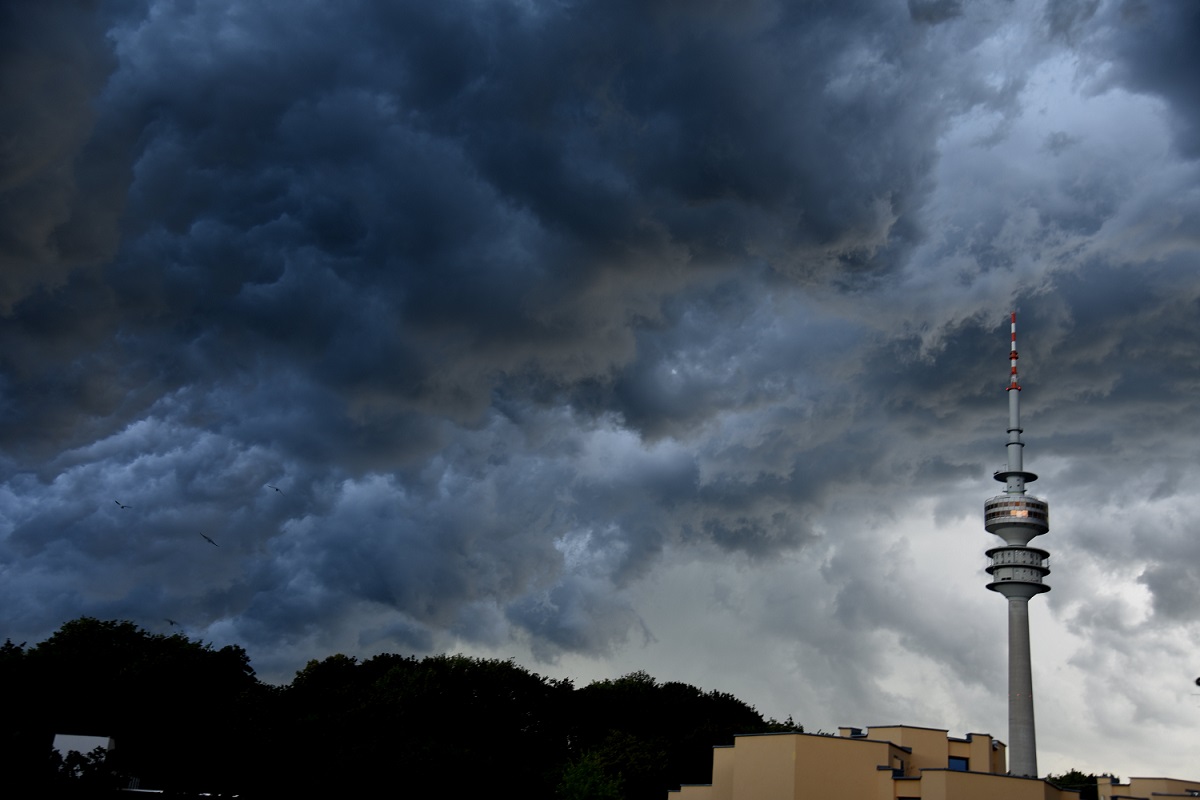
(1012, 357)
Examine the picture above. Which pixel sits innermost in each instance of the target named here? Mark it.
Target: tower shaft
(1022, 738)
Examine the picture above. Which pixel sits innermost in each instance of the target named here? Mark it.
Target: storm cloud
(612, 335)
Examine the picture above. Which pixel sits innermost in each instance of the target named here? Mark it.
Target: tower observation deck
(1017, 572)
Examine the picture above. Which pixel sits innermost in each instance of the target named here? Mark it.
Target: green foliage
(355, 725)
(590, 777)
(11, 653)
(787, 726)
(89, 775)
(652, 736)
(175, 706)
(1074, 779)
(189, 718)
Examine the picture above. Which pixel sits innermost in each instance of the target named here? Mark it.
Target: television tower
(1017, 571)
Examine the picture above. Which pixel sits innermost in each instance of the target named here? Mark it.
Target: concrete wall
(951, 785)
(930, 746)
(832, 767)
(765, 766)
(723, 773)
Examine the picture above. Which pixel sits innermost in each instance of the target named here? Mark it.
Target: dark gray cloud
(59, 198)
(934, 11)
(1064, 16)
(519, 199)
(597, 333)
(1154, 49)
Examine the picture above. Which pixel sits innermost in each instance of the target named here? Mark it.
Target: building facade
(1146, 789)
(892, 762)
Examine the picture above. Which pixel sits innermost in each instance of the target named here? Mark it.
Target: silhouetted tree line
(188, 718)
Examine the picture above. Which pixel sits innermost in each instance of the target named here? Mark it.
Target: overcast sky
(616, 334)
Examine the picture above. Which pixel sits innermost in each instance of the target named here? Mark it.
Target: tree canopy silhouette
(190, 718)
(178, 708)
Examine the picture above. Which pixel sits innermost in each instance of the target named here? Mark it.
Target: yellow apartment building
(1147, 789)
(893, 762)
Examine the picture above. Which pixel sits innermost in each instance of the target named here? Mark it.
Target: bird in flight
(210, 541)
(122, 505)
(276, 488)
(170, 621)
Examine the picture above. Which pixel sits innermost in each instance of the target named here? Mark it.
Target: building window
(960, 764)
